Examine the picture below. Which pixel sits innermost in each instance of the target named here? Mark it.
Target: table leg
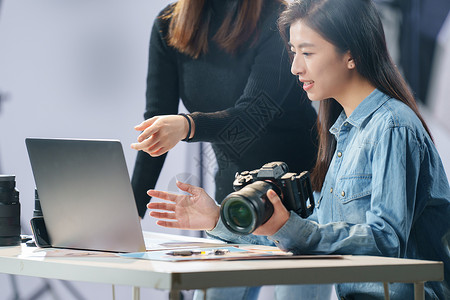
(419, 291)
(386, 291)
(174, 295)
(136, 293)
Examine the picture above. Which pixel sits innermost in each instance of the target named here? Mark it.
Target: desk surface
(204, 274)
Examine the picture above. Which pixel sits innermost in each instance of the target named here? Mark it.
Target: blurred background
(77, 69)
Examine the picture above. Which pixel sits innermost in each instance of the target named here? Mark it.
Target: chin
(313, 97)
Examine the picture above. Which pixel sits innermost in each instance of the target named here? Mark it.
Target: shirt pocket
(354, 187)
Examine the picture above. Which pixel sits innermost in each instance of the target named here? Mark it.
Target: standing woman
(383, 187)
(228, 64)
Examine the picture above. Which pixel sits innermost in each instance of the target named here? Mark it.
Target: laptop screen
(85, 194)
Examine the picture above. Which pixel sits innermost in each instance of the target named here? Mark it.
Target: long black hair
(355, 26)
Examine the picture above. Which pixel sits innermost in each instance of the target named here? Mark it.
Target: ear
(350, 61)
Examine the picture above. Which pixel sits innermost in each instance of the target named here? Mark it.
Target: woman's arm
(395, 170)
(162, 98)
(266, 88)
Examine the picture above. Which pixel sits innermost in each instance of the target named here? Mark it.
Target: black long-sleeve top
(247, 105)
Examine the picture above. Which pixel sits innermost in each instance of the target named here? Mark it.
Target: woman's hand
(196, 211)
(277, 220)
(162, 133)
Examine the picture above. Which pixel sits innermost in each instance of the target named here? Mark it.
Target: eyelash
(303, 53)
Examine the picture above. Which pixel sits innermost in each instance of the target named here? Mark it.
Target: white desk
(175, 276)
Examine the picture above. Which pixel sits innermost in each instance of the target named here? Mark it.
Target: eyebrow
(302, 45)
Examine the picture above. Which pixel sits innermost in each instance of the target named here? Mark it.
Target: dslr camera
(248, 207)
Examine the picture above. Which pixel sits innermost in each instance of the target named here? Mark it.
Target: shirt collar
(369, 105)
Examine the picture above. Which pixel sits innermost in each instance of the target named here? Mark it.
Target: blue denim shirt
(385, 193)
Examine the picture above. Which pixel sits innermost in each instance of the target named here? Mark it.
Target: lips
(307, 84)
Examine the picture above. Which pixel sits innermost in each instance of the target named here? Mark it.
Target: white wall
(75, 69)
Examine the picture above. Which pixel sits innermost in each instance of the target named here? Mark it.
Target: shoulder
(160, 27)
(394, 115)
(162, 20)
(166, 10)
(400, 115)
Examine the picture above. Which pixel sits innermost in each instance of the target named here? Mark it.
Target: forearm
(222, 233)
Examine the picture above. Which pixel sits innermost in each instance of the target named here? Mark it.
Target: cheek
(332, 74)
(318, 68)
(330, 80)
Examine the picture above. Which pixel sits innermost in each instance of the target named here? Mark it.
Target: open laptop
(85, 194)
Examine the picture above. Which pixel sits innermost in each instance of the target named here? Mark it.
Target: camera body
(9, 211)
(248, 207)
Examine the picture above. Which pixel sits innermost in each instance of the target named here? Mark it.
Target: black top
(247, 105)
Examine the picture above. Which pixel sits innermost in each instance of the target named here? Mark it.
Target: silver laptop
(85, 194)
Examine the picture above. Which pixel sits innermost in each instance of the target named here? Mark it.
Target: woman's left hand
(196, 211)
(277, 220)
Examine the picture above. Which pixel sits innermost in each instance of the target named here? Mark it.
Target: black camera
(248, 207)
(9, 211)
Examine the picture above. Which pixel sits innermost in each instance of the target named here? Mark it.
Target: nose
(298, 66)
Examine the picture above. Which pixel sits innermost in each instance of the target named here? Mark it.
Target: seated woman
(383, 188)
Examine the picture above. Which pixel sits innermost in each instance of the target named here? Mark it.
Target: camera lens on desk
(9, 211)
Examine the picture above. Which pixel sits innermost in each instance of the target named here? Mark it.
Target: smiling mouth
(307, 85)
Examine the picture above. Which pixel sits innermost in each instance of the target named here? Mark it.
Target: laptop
(85, 194)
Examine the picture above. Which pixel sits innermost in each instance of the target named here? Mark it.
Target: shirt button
(276, 241)
(339, 154)
(345, 124)
(331, 190)
(342, 193)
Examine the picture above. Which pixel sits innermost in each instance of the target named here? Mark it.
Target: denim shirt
(385, 193)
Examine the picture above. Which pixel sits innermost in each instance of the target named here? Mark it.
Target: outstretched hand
(196, 211)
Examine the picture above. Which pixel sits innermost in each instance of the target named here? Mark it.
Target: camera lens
(240, 213)
(245, 210)
(9, 211)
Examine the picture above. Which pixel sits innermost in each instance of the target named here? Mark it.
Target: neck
(357, 90)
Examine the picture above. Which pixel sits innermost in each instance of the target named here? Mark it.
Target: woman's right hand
(162, 133)
(196, 211)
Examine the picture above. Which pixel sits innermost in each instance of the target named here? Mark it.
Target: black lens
(9, 212)
(238, 214)
(245, 210)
